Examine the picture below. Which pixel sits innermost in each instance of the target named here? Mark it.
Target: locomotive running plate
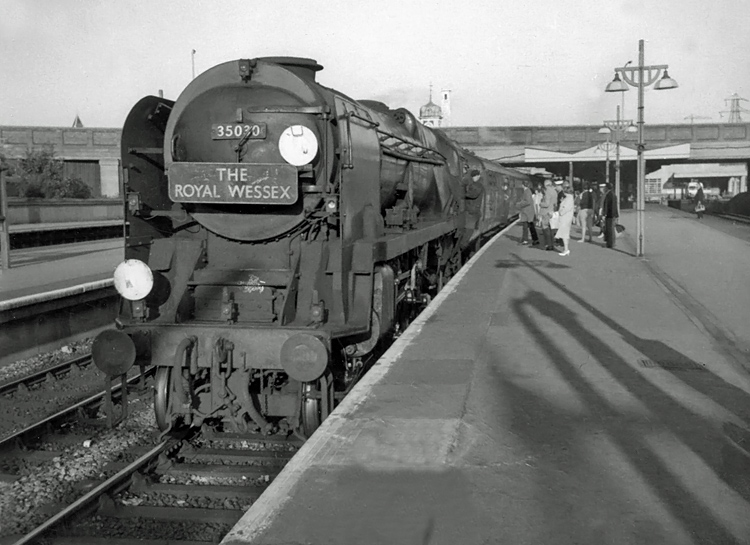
(233, 183)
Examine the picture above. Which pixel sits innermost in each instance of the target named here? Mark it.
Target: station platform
(63, 226)
(36, 272)
(597, 398)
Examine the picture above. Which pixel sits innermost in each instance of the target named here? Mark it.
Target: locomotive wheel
(163, 397)
(312, 403)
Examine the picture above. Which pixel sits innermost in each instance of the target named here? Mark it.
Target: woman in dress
(567, 206)
(537, 198)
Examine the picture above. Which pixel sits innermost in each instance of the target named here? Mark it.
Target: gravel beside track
(195, 494)
(24, 407)
(41, 361)
(170, 532)
(40, 488)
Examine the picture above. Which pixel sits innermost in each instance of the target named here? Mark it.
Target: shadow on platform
(511, 264)
(544, 427)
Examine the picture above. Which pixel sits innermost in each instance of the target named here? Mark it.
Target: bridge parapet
(68, 143)
(572, 138)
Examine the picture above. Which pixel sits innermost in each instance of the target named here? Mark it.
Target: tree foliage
(41, 175)
(68, 188)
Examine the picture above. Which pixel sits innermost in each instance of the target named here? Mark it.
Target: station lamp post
(619, 127)
(607, 147)
(641, 76)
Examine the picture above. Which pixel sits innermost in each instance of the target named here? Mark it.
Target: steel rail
(129, 478)
(40, 376)
(65, 413)
(734, 217)
(95, 493)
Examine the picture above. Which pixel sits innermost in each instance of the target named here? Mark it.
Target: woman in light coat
(567, 206)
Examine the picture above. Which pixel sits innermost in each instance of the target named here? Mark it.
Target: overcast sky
(507, 62)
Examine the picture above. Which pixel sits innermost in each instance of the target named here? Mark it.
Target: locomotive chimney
(300, 66)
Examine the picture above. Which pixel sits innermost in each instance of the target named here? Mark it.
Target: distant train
(280, 233)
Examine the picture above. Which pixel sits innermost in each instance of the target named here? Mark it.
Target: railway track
(85, 409)
(185, 490)
(51, 374)
(734, 217)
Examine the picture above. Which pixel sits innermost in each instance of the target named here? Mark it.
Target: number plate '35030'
(235, 131)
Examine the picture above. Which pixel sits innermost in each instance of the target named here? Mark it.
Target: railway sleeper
(219, 491)
(109, 508)
(89, 540)
(233, 456)
(224, 470)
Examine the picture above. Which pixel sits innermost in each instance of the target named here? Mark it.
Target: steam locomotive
(279, 233)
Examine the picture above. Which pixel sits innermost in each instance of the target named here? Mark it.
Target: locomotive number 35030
(230, 131)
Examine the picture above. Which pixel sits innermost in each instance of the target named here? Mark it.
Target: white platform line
(261, 514)
(37, 298)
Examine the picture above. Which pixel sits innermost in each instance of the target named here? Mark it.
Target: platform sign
(233, 183)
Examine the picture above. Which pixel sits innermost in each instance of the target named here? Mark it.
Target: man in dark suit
(546, 209)
(586, 212)
(598, 207)
(610, 215)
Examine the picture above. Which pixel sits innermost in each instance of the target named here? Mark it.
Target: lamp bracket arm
(650, 74)
(619, 125)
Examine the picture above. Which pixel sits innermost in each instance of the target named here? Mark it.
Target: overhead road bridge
(578, 148)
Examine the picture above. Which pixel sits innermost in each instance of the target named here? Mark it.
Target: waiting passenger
(526, 215)
(610, 215)
(546, 209)
(562, 189)
(586, 213)
(567, 205)
(599, 219)
(699, 200)
(537, 198)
